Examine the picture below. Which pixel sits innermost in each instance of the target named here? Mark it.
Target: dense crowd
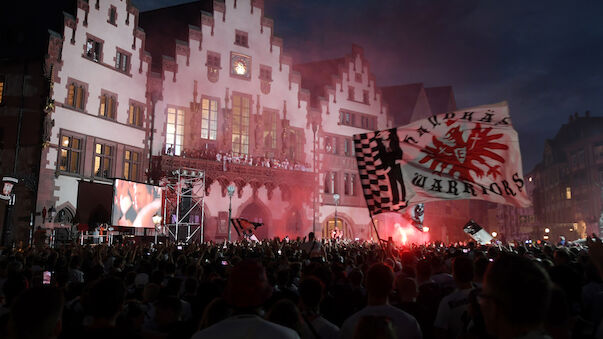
(227, 158)
(302, 288)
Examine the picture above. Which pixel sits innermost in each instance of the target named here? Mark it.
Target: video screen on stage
(135, 204)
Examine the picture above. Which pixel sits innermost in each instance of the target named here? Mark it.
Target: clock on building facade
(240, 65)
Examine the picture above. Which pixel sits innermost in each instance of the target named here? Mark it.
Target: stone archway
(343, 223)
(257, 212)
(294, 224)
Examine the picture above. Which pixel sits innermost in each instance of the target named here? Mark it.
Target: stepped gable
(315, 76)
(164, 26)
(402, 100)
(441, 99)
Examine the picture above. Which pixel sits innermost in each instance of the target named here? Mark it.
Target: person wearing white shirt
(379, 281)
(450, 319)
(246, 291)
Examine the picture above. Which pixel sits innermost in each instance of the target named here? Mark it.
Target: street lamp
(157, 221)
(314, 130)
(336, 198)
(494, 234)
(230, 189)
(547, 230)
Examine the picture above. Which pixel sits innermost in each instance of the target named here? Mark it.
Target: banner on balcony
(467, 154)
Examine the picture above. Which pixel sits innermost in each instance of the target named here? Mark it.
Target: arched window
(64, 216)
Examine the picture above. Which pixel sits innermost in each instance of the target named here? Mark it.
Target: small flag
(245, 227)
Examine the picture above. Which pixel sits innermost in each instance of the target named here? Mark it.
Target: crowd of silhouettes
(305, 288)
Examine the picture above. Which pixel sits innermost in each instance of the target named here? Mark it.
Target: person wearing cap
(246, 291)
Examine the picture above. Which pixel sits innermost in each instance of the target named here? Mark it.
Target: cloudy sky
(544, 57)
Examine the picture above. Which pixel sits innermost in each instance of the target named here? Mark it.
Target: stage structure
(184, 193)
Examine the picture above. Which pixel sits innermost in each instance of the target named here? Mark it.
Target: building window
(75, 95)
(348, 147)
(103, 160)
(108, 105)
(265, 73)
(568, 193)
(94, 49)
(209, 119)
(70, 154)
(270, 119)
(112, 15)
(213, 60)
(358, 77)
(2, 86)
(135, 114)
(174, 131)
(346, 182)
(241, 38)
(240, 124)
(353, 184)
(131, 165)
(365, 96)
(332, 181)
(331, 145)
(122, 61)
(350, 93)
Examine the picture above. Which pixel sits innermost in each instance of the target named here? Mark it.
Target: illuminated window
(108, 105)
(103, 160)
(93, 49)
(2, 81)
(131, 165)
(240, 124)
(122, 61)
(174, 131)
(75, 96)
(209, 119)
(270, 118)
(135, 115)
(568, 193)
(70, 154)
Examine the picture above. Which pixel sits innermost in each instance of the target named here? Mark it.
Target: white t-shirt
(246, 326)
(404, 324)
(451, 310)
(324, 328)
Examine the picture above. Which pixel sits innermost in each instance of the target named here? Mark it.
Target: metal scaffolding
(183, 184)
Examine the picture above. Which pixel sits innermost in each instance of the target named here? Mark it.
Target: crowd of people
(303, 288)
(227, 158)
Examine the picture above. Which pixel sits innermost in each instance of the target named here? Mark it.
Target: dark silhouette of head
(516, 296)
(379, 281)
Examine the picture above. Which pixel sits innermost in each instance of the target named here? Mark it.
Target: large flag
(245, 227)
(466, 154)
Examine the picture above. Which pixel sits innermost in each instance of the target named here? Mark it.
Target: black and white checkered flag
(372, 175)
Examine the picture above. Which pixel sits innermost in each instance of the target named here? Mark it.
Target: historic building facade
(345, 94)
(569, 181)
(206, 86)
(96, 123)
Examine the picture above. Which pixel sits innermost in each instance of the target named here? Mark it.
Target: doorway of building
(257, 213)
(341, 224)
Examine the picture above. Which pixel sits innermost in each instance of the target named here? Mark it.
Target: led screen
(135, 204)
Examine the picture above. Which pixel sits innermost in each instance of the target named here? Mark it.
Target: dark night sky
(544, 57)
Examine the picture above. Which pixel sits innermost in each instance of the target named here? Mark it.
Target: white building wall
(57, 189)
